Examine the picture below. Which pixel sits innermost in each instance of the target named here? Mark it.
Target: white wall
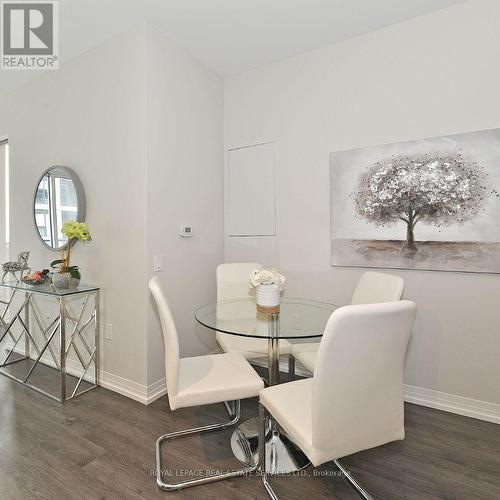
(185, 185)
(431, 76)
(141, 122)
(90, 116)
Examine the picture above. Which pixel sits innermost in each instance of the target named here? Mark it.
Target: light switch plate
(109, 331)
(157, 263)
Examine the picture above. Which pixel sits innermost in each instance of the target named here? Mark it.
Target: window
(4, 200)
(55, 203)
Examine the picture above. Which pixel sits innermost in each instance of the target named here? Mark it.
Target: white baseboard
(460, 405)
(123, 386)
(142, 393)
(452, 403)
(138, 392)
(156, 390)
(468, 407)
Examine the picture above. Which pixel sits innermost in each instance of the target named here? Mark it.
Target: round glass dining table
(296, 319)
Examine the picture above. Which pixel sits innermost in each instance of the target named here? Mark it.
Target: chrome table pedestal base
(283, 456)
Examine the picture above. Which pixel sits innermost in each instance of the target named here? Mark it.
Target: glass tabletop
(298, 318)
(48, 289)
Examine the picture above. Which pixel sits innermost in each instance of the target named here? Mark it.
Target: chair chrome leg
(262, 452)
(230, 407)
(353, 481)
(291, 368)
(198, 430)
(262, 461)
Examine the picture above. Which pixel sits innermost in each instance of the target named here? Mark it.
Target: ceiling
(229, 36)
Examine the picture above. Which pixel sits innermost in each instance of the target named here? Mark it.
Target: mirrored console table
(49, 338)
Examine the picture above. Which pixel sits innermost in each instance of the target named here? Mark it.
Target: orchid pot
(64, 281)
(69, 276)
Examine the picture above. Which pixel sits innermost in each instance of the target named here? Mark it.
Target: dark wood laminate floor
(101, 446)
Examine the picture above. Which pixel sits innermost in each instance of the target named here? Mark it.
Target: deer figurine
(16, 266)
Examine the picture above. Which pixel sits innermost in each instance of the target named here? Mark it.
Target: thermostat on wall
(186, 231)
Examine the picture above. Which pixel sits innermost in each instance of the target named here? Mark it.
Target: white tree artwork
(430, 204)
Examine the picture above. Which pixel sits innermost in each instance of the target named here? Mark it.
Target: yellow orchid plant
(73, 231)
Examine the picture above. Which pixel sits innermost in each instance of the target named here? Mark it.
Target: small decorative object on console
(268, 284)
(16, 266)
(69, 276)
(37, 278)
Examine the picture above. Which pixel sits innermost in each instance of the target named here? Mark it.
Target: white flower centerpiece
(268, 284)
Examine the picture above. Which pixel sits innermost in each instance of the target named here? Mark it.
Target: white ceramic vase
(267, 296)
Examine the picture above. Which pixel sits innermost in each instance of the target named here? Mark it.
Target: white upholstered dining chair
(233, 283)
(372, 288)
(355, 397)
(201, 380)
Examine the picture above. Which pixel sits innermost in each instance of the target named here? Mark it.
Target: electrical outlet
(157, 263)
(109, 331)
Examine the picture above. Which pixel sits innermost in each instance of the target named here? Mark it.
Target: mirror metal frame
(80, 199)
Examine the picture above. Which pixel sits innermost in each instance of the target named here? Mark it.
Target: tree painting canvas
(430, 204)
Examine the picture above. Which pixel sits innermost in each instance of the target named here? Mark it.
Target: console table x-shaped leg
(64, 334)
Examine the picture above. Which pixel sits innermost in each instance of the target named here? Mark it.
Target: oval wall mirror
(59, 197)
